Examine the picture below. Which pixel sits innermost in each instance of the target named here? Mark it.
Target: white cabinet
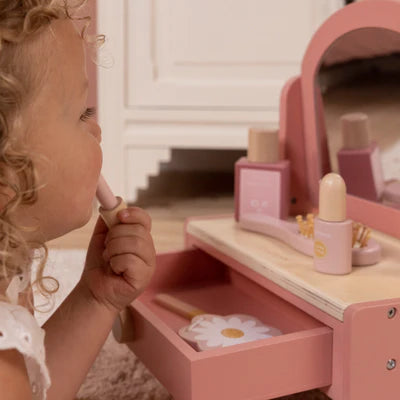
(193, 74)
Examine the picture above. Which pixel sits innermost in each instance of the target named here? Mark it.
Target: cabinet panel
(216, 54)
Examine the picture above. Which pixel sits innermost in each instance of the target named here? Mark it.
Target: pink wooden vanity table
(338, 332)
(341, 333)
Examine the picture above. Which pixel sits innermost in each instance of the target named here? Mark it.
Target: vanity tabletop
(294, 271)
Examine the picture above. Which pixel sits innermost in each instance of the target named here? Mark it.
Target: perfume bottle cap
(355, 131)
(263, 145)
(332, 198)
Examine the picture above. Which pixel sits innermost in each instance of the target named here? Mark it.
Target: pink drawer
(296, 361)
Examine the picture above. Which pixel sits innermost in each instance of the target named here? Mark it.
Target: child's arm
(119, 264)
(75, 334)
(14, 382)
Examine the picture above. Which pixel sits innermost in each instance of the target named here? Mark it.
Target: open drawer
(300, 359)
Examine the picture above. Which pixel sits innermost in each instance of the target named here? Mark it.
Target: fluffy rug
(116, 373)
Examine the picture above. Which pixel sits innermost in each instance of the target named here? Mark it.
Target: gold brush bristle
(361, 233)
(300, 223)
(306, 227)
(310, 225)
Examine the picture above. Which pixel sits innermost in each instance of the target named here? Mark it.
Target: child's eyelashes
(89, 113)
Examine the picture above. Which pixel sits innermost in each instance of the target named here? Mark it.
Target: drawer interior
(208, 284)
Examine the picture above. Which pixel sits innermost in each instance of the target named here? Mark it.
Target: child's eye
(89, 113)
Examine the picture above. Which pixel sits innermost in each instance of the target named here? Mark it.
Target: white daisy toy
(209, 331)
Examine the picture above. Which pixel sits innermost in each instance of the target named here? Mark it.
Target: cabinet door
(226, 54)
(193, 74)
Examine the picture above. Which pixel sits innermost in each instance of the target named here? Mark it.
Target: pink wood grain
(371, 339)
(262, 369)
(382, 14)
(291, 140)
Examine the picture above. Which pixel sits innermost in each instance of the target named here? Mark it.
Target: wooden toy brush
(210, 331)
(300, 233)
(109, 207)
(361, 233)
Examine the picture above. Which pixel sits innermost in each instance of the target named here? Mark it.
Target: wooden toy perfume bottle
(359, 159)
(262, 181)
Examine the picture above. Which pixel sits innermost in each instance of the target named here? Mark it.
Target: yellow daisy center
(232, 333)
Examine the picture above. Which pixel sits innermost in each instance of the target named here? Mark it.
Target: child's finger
(121, 230)
(135, 215)
(136, 245)
(134, 270)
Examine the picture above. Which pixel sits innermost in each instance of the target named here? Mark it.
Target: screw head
(391, 364)
(392, 312)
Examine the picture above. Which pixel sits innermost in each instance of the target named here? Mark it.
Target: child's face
(58, 131)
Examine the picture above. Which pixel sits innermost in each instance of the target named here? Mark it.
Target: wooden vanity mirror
(367, 30)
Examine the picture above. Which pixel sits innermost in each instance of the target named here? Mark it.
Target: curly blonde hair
(21, 21)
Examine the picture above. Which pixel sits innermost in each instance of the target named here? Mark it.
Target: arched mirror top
(378, 20)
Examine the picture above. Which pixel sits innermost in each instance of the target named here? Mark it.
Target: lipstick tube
(332, 231)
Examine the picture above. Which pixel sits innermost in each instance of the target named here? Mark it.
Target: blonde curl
(20, 22)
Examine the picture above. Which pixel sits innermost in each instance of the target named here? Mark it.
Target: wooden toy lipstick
(109, 207)
(109, 204)
(210, 331)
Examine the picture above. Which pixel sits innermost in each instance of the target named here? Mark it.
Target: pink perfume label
(260, 192)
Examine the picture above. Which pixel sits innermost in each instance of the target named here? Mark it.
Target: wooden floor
(167, 222)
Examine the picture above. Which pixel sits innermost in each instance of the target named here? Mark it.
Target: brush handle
(177, 306)
(287, 232)
(109, 207)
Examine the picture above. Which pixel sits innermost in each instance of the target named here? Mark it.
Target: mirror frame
(384, 14)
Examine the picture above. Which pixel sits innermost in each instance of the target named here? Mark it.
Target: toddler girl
(50, 162)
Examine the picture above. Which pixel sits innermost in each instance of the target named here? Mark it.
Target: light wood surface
(294, 271)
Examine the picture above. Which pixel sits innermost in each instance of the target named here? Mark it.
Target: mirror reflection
(359, 80)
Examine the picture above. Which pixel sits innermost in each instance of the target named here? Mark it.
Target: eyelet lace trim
(19, 330)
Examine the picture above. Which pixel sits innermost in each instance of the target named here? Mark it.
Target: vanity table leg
(371, 351)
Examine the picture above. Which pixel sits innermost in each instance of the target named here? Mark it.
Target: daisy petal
(235, 322)
(249, 324)
(214, 341)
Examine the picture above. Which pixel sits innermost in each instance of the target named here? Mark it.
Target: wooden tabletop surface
(294, 271)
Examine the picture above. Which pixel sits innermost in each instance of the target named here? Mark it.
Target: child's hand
(120, 261)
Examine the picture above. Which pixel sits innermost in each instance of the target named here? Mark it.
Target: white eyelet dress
(19, 330)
